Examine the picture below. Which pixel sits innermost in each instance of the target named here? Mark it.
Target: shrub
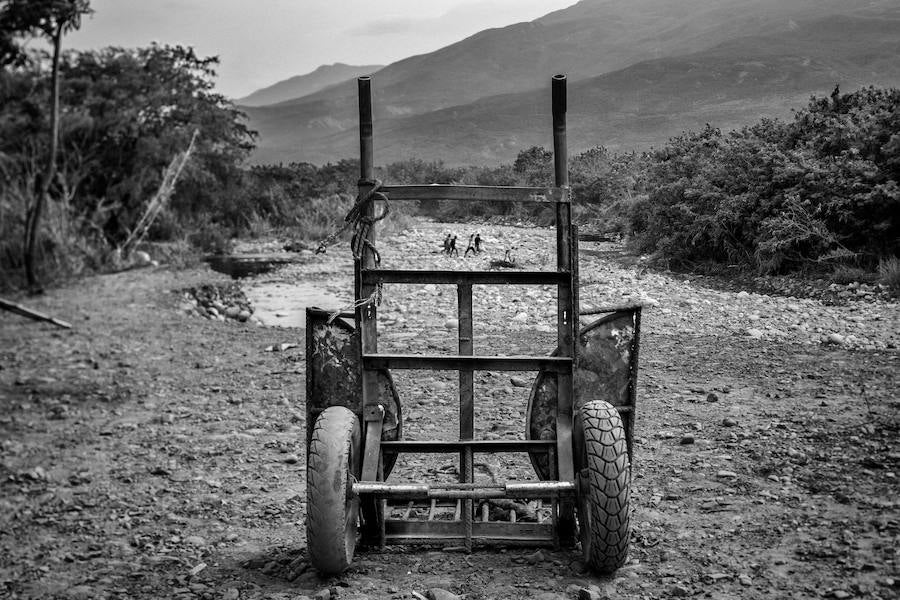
(889, 272)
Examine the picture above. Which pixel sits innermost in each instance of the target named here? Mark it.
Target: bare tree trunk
(33, 218)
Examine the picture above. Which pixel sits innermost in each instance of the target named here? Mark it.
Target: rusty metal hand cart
(580, 413)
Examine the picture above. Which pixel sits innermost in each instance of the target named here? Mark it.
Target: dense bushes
(779, 196)
(820, 190)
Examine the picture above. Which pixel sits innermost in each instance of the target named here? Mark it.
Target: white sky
(260, 42)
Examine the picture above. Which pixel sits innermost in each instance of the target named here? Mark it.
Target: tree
(140, 107)
(51, 19)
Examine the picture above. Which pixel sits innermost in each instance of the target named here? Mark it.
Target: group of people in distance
(474, 245)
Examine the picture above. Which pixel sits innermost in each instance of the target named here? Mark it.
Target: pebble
(195, 540)
(291, 459)
(519, 382)
(755, 333)
(679, 591)
(745, 580)
(711, 397)
(836, 339)
(687, 439)
(727, 474)
(231, 594)
(840, 594)
(729, 422)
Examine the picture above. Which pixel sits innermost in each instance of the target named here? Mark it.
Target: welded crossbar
(475, 192)
(374, 276)
(480, 446)
(471, 491)
(454, 532)
(451, 362)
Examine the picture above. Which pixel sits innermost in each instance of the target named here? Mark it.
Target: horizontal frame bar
(475, 491)
(410, 532)
(450, 447)
(475, 192)
(554, 364)
(375, 276)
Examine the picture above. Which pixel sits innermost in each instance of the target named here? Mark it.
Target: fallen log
(32, 314)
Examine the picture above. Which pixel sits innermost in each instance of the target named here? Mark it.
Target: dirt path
(148, 453)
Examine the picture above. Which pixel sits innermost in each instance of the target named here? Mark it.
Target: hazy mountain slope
(303, 85)
(734, 83)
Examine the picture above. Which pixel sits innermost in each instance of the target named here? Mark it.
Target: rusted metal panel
(333, 376)
(605, 369)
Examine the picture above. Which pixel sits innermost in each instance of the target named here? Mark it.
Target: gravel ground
(153, 453)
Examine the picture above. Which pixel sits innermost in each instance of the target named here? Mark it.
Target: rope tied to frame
(374, 297)
(361, 224)
(359, 243)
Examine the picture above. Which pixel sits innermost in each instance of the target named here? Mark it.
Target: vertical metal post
(466, 401)
(366, 152)
(365, 316)
(565, 292)
(632, 388)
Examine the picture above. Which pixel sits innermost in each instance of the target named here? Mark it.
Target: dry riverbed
(152, 453)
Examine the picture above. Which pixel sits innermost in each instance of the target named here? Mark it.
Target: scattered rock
(195, 540)
(519, 382)
(231, 594)
(451, 324)
(711, 397)
(835, 338)
(687, 439)
(291, 459)
(729, 422)
(755, 333)
(727, 474)
(745, 580)
(679, 591)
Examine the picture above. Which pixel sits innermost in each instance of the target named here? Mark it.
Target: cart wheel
(604, 518)
(332, 512)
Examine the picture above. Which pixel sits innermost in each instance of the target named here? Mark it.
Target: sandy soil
(151, 453)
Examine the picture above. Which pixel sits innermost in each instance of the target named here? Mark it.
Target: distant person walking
(470, 247)
(447, 244)
(478, 242)
(453, 247)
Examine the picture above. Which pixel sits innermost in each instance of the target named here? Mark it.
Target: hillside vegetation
(816, 192)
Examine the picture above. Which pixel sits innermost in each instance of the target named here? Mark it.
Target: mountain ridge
(322, 126)
(291, 88)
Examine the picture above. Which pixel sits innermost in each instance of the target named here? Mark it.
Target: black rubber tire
(332, 512)
(604, 488)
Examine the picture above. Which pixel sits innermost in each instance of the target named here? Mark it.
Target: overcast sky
(260, 42)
